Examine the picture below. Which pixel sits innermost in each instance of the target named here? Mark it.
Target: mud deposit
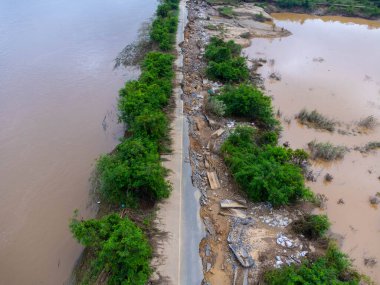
(57, 95)
(330, 64)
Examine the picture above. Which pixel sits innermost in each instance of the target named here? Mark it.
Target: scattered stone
(284, 241)
(340, 201)
(209, 226)
(207, 250)
(208, 267)
(286, 144)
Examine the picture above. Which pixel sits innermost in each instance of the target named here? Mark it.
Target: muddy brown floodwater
(331, 64)
(58, 92)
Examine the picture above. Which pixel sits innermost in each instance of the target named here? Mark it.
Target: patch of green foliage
(333, 268)
(164, 27)
(133, 170)
(265, 172)
(226, 11)
(249, 102)
(224, 61)
(120, 247)
(312, 226)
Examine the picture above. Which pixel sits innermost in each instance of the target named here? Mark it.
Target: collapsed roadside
(244, 239)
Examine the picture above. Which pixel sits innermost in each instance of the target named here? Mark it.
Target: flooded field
(331, 64)
(58, 92)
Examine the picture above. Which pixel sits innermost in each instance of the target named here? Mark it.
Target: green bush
(133, 170)
(120, 248)
(164, 27)
(265, 173)
(333, 268)
(216, 106)
(249, 102)
(224, 61)
(312, 226)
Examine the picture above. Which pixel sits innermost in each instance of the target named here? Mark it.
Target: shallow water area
(330, 64)
(58, 93)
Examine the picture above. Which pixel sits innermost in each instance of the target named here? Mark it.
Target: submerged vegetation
(326, 150)
(315, 120)
(312, 226)
(133, 172)
(369, 123)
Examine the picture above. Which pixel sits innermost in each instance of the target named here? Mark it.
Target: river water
(58, 93)
(331, 64)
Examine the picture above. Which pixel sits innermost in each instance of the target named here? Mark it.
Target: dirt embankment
(242, 238)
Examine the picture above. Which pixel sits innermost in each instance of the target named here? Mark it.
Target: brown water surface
(58, 92)
(331, 64)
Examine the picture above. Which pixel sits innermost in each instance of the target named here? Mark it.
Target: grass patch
(266, 172)
(332, 268)
(226, 11)
(224, 61)
(315, 120)
(312, 226)
(326, 151)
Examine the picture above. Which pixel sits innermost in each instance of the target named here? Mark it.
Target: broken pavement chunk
(242, 255)
(217, 133)
(233, 204)
(213, 180)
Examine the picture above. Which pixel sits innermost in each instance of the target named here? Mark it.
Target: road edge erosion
(131, 179)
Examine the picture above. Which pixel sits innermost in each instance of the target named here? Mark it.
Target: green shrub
(312, 226)
(151, 124)
(224, 61)
(164, 27)
(216, 106)
(218, 50)
(120, 248)
(233, 70)
(249, 102)
(265, 173)
(133, 170)
(333, 268)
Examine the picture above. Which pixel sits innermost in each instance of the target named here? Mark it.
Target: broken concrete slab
(213, 180)
(233, 213)
(218, 133)
(242, 255)
(233, 204)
